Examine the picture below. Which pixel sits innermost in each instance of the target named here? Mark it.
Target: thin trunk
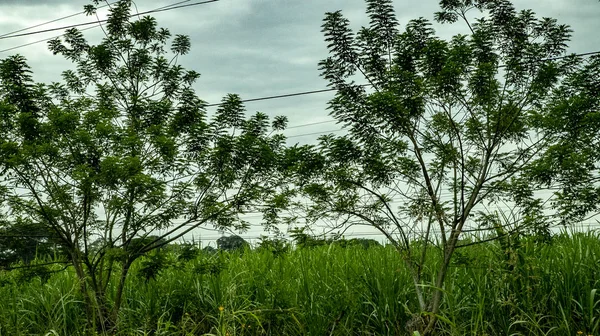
(120, 288)
(99, 294)
(438, 292)
(419, 291)
(416, 275)
(450, 245)
(93, 311)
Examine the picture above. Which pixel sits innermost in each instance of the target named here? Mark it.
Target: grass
(331, 290)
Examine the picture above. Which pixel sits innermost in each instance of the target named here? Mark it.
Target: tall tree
(443, 127)
(123, 154)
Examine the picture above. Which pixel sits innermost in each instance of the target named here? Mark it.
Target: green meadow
(525, 288)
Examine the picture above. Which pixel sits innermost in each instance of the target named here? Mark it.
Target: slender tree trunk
(438, 291)
(120, 287)
(93, 310)
(416, 322)
(419, 291)
(101, 301)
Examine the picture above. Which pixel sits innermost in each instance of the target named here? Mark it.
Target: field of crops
(529, 289)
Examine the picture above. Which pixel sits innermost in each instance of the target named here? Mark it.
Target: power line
(314, 133)
(171, 6)
(312, 124)
(176, 5)
(555, 58)
(161, 9)
(302, 93)
(6, 35)
(365, 85)
(42, 40)
(287, 95)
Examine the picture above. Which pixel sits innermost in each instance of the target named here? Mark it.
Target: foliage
(24, 241)
(187, 252)
(571, 120)
(230, 243)
(304, 240)
(152, 265)
(365, 243)
(439, 139)
(121, 158)
(277, 246)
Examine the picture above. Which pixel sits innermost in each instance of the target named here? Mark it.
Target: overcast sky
(261, 48)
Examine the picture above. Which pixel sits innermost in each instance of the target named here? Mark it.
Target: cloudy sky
(260, 48)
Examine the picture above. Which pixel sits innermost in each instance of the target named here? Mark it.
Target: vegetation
(231, 243)
(541, 289)
(100, 175)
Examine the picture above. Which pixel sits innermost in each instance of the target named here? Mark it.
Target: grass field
(530, 289)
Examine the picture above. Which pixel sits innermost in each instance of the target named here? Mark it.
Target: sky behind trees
(260, 48)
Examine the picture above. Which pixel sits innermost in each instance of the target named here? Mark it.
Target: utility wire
(287, 95)
(171, 6)
(312, 124)
(555, 58)
(6, 35)
(295, 94)
(43, 40)
(315, 133)
(365, 85)
(162, 9)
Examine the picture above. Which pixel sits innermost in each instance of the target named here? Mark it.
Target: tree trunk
(101, 301)
(94, 312)
(120, 288)
(436, 298)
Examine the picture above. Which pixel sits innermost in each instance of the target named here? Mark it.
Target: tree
(231, 243)
(445, 128)
(123, 154)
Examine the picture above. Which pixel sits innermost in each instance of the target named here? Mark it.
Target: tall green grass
(533, 289)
